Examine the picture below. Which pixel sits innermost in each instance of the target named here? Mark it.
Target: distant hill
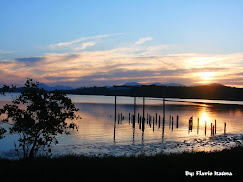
(58, 87)
(168, 84)
(132, 84)
(215, 84)
(45, 87)
(61, 87)
(157, 84)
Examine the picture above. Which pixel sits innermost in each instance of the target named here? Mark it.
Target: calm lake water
(95, 135)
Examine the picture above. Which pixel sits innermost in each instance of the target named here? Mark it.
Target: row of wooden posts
(156, 120)
(141, 119)
(151, 120)
(213, 126)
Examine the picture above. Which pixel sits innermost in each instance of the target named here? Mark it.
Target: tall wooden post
(205, 127)
(133, 126)
(143, 119)
(133, 121)
(172, 123)
(156, 116)
(147, 117)
(225, 128)
(153, 123)
(163, 129)
(211, 128)
(198, 126)
(129, 117)
(134, 106)
(164, 105)
(215, 126)
(143, 106)
(115, 117)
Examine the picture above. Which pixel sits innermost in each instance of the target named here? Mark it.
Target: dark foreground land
(160, 167)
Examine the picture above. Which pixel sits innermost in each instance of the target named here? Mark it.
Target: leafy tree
(38, 117)
(2, 131)
(2, 92)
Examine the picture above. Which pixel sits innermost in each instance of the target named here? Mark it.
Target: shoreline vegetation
(211, 91)
(225, 165)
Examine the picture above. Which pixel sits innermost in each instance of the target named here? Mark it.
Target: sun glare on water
(205, 118)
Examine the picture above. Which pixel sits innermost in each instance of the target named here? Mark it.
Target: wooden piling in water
(156, 119)
(190, 124)
(134, 106)
(143, 107)
(129, 116)
(159, 121)
(163, 125)
(118, 118)
(115, 118)
(153, 123)
(215, 126)
(211, 128)
(177, 122)
(115, 104)
(198, 126)
(164, 104)
(133, 121)
(224, 127)
(205, 127)
(147, 118)
(143, 125)
(149, 121)
(172, 124)
(138, 117)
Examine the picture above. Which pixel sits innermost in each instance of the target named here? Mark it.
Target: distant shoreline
(189, 100)
(209, 92)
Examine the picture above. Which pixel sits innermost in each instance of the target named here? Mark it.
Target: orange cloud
(134, 63)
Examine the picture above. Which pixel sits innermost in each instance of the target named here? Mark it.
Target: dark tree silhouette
(38, 116)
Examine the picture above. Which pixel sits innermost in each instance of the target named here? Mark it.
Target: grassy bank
(159, 167)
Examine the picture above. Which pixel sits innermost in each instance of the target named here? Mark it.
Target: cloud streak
(81, 39)
(142, 40)
(4, 52)
(84, 45)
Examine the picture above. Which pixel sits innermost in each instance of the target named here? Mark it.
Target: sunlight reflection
(204, 117)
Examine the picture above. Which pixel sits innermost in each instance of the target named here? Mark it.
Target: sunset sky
(105, 42)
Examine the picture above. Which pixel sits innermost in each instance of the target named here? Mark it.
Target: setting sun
(206, 76)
